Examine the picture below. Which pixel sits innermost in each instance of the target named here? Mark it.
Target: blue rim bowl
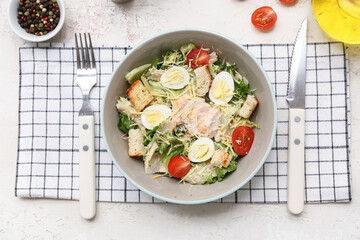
(168, 189)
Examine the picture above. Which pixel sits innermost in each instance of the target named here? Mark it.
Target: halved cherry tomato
(264, 17)
(197, 58)
(287, 1)
(179, 166)
(242, 139)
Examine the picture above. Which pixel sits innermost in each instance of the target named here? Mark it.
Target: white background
(132, 23)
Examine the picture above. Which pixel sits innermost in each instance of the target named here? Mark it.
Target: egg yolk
(174, 77)
(221, 90)
(154, 118)
(201, 150)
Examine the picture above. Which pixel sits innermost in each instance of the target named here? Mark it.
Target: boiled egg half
(153, 115)
(222, 88)
(201, 150)
(175, 78)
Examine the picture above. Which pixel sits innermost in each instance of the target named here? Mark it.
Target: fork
(86, 79)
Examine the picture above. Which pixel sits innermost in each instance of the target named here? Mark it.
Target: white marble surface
(130, 24)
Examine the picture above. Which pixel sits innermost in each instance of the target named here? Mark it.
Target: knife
(296, 101)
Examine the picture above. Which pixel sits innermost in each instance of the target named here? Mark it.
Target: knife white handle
(87, 166)
(296, 177)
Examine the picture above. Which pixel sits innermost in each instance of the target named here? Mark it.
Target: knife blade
(296, 102)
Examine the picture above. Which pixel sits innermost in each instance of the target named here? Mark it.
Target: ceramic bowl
(165, 188)
(15, 26)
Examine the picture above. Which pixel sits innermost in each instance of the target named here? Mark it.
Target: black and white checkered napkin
(48, 116)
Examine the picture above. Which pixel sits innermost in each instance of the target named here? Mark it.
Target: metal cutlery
(86, 79)
(296, 101)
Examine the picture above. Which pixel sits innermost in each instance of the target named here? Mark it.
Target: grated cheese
(190, 172)
(159, 176)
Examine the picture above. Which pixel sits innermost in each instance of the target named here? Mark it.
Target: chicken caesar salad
(187, 115)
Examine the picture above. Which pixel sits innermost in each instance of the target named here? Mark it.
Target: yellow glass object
(340, 19)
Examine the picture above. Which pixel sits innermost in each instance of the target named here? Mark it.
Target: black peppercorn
(38, 17)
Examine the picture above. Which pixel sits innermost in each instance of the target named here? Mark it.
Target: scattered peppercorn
(38, 17)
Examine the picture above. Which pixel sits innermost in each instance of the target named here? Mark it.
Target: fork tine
(92, 52)
(87, 53)
(82, 52)
(77, 52)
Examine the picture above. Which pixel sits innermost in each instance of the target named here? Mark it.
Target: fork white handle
(296, 178)
(87, 166)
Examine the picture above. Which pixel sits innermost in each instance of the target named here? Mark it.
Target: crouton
(221, 158)
(139, 95)
(136, 146)
(249, 106)
(213, 57)
(156, 73)
(203, 80)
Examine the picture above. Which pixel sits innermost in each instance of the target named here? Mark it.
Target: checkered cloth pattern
(49, 101)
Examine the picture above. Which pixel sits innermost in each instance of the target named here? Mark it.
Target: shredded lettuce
(172, 58)
(241, 88)
(149, 136)
(221, 172)
(209, 177)
(251, 124)
(185, 49)
(125, 123)
(154, 62)
(136, 73)
(229, 68)
(214, 69)
(163, 147)
(220, 145)
(173, 150)
(155, 87)
(169, 146)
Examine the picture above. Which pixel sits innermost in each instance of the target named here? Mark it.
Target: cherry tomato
(264, 17)
(242, 139)
(197, 58)
(287, 1)
(179, 166)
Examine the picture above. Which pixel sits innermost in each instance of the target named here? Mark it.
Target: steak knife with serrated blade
(296, 101)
